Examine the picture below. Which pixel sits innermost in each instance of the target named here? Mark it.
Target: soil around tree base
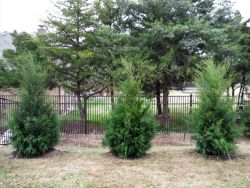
(95, 140)
(49, 154)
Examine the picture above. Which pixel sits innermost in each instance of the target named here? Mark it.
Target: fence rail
(97, 110)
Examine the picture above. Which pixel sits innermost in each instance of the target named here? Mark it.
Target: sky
(26, 15)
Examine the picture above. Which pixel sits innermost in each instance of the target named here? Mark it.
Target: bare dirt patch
(84, 140)
(49, 154)
(95, 140)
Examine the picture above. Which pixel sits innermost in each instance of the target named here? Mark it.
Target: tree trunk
(158, 97)
(232, 86)
(60, 100)
(80, 105)
(165, 115)
(228, 90)
(242, 87)
(1, 104)
(85, 113)
(112, 95)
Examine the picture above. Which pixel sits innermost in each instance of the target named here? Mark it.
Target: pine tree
(130, 127)
(34, 126)
(70, 45)
(213, 123)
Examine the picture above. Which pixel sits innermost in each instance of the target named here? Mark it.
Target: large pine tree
(76, 63)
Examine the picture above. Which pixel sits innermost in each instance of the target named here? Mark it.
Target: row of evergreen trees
(130, 126)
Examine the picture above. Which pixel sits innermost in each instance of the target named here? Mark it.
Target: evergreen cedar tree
(130, 126)
(213, 122)
(34, 124)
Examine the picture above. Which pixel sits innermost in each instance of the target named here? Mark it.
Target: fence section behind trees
(97, 110)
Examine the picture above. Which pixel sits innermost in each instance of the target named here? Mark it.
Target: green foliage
(135, 66)
(130, 127)
(69, 45)
(35, 127)
(213, 123)
(26, 47)
(245, 115)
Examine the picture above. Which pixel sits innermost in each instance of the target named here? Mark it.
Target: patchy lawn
(71, 165)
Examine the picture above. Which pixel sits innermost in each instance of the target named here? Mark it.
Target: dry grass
(164, 166)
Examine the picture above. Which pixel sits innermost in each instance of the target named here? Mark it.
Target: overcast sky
(26, 15)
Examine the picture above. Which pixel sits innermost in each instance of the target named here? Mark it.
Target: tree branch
(90, 95)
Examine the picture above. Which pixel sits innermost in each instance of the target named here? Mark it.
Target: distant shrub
(35, 127)
(213, 123)
(130, 127)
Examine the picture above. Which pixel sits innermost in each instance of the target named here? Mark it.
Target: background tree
(203, 8)
(226, 47)
(242, 66)
(25, 45)
(109, 40)
(8, 77)
(75, 62)
(173, 39)
(176, 36)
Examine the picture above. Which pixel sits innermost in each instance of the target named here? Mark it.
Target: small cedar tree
(213, 122)
(34, 126)
(130, 126)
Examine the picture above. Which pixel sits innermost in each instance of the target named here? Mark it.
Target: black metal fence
(96, 113)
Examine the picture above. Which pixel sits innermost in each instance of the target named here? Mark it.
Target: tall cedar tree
(34, 126)
(213, 122)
